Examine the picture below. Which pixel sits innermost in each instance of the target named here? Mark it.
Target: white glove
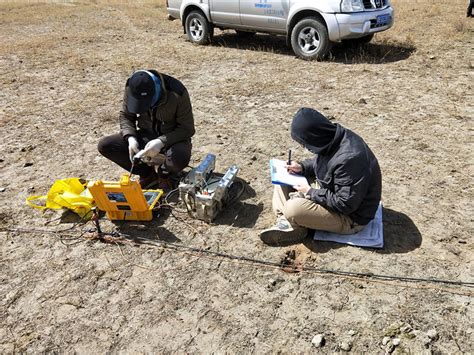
(133, 147)
(151, 150)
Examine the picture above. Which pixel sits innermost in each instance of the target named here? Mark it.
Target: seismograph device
(204, 192)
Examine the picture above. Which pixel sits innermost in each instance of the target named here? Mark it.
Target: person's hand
(151, 150)
(294, 168)
(296, 194)
(302, 188)
(133, 147)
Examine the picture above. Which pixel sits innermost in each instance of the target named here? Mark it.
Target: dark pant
(115, 148)
(469, 8)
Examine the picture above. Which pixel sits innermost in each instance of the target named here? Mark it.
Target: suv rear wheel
(198, 29)
(310, 39)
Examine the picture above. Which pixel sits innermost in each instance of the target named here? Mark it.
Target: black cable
(175, 246)
(309, 268)
(238, 194)
(318, 270)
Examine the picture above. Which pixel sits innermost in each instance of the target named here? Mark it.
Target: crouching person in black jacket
(347, 183)
(156, 126)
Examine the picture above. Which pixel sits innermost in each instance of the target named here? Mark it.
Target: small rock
(51, 88)
(27, 164)
(362, 101)
(352, 332)
(30, 189)
(272, 282)
(2, 189)
(253, 158)
(345, 345)
(318, 340)
(385, 340)
(432, 334)
(396, 341)
(432, 57)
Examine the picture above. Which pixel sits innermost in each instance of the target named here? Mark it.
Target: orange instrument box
(124, 200)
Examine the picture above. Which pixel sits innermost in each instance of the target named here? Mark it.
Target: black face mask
(314, 131)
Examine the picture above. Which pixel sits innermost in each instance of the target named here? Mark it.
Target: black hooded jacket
(345, 168)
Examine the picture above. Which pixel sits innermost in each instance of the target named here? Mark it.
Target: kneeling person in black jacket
(347, 180)
(156, 123)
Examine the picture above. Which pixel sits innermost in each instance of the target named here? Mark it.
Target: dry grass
(63, 66)
(427, 21)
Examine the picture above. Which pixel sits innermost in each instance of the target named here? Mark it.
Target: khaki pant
(301, 212)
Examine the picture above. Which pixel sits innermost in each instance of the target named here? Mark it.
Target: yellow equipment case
(124, 200)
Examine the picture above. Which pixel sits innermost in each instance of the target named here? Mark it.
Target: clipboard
(281, 176)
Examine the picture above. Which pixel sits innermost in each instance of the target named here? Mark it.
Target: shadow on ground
(345, 53)
(400, 236)
(148, 232)
(238, 213)
(370, 53)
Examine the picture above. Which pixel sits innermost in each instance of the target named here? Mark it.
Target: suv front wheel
(198, 29)
(310, 39)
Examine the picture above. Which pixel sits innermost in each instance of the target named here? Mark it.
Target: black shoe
(283, 234)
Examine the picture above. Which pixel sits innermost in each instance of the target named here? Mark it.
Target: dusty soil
(408, 94)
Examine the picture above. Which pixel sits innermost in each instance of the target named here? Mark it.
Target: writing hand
(294, 168)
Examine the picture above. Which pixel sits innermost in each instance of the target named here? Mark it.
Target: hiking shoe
(283, 233)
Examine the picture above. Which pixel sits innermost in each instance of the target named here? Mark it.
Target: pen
(289, 157)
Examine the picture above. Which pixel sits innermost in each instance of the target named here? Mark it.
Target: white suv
(310, 26)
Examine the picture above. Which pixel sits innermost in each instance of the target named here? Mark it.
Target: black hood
(314, 131)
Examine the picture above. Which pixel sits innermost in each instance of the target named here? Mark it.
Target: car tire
(198, 29)
(245, 34)
(310, 39)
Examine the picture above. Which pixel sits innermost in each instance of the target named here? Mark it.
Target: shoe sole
(279, 238)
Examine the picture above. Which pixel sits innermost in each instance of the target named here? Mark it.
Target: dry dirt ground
(408, 94)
